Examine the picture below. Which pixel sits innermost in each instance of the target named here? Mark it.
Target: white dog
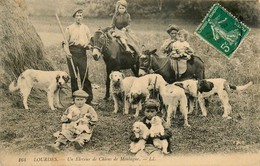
(172, 96)
(157, 129)
(142, 132)
(207, 87)
(120, 89)
(139, 91)
(50, 81)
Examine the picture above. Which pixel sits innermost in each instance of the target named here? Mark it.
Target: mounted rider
(178, 49)
(120, 24)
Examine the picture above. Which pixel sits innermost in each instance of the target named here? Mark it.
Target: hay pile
(20, 46)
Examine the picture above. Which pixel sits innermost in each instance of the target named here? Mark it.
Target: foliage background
(246, 11)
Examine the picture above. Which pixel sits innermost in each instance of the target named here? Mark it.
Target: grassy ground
(27, 131)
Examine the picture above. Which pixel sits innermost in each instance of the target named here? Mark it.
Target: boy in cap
(151, 108)
(172, 30)
(71, 123)
(78, 36)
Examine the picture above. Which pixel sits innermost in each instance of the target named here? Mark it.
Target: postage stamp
(222, 30)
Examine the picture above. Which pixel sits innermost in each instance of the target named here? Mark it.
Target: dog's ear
(153, 51)
(123, 75)
(179, 84)
(111, 75)
(205, 86)
(66, 78)
(57, 77)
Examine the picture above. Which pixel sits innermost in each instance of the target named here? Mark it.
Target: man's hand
(69, 56)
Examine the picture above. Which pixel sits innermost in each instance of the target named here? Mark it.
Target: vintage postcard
(129, 82)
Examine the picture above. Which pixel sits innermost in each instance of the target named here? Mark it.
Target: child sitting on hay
(181, 48)
(78, 123)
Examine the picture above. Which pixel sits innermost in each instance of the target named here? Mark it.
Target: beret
(77, 10)
(122, 2)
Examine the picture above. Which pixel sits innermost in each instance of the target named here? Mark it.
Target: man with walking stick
(77, 37)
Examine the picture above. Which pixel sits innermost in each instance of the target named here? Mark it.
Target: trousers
(79, 59)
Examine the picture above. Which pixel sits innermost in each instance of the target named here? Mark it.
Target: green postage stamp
(222, 30)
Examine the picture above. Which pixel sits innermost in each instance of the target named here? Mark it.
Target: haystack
(20, 46)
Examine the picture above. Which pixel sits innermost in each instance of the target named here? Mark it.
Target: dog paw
(53, 109)
(60, 106)
(115, 111)
(227, 117)
(165, 152)
(187, 125)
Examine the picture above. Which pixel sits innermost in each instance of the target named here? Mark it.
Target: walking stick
(66, 47)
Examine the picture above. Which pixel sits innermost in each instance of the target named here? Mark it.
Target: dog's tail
(243, 87)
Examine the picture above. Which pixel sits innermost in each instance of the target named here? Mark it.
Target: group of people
(78, 121)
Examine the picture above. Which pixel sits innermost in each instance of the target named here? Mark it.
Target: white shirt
(77, 34)
(182, 46)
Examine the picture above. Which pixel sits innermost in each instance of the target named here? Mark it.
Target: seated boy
(151, 109)
(73, 130)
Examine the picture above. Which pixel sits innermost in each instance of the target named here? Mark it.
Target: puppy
(50, 81)
(207, 87)
(82, 125)
(157, 129)
(142, 132)
(120, 89)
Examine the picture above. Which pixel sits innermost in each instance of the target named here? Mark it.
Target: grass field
(25, 131)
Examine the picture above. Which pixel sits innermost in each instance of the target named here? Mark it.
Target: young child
(73, 130)
(181, 48)
(120, 23)
(150, 111)
(172, 30)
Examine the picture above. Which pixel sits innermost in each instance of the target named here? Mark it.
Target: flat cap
(80, 93)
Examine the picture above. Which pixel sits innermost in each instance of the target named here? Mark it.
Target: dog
(158, 129)
(208, 87)
(50, 81)
(83, 125)
(120, 88)
(172, 97)
(142, 132)
(139, 92)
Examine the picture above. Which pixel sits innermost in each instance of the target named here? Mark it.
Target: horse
(115, 58)
(162, 65)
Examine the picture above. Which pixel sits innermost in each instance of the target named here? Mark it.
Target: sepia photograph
(129, 82)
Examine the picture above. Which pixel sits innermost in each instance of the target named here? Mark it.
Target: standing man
(78, 36)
